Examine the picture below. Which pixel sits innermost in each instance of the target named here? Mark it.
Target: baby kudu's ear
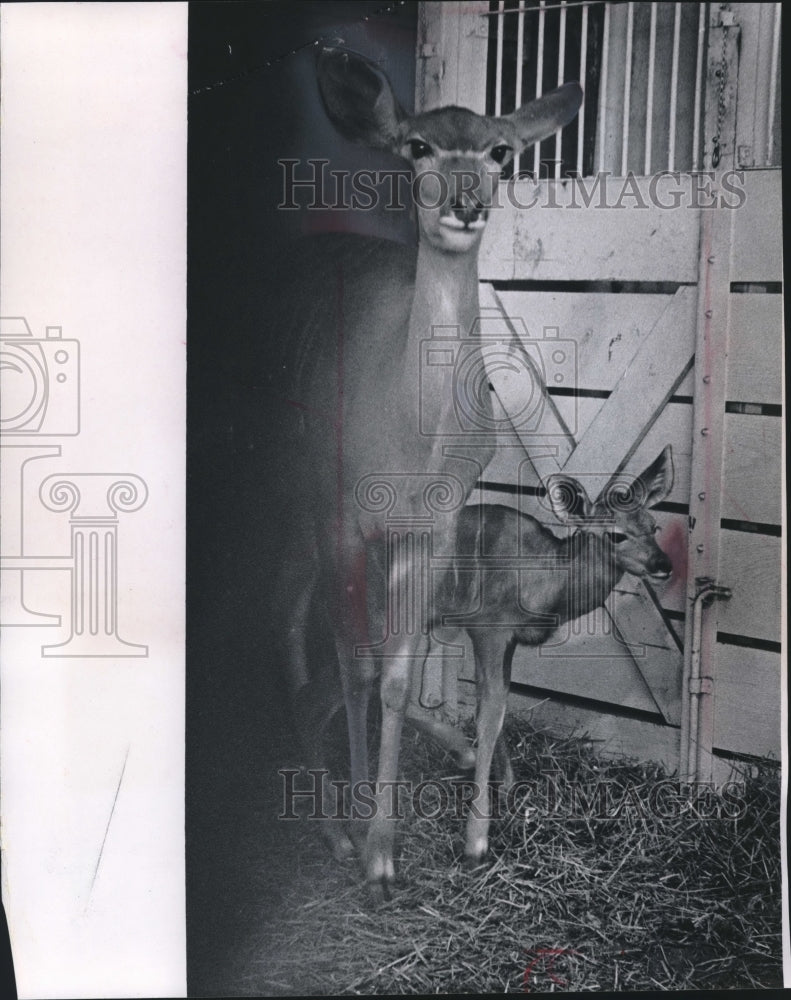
(568, 499)
(657, 479)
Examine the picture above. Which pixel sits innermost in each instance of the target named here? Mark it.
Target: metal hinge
(701, 685)
(707, 590)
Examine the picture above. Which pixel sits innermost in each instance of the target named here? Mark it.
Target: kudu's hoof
(479, 858)
(379, 892)
(342, 848)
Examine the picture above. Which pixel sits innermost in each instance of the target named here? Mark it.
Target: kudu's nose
(660, 566)
(467, 209)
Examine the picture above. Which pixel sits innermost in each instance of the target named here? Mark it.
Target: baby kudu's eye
(500, 153)
(419, 149)
(616, 537)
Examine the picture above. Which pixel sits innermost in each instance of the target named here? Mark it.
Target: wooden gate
(626, 265)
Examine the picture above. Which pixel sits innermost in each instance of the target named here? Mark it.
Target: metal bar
(697, 731)
(671, 140)
(561, 73)
(627, 88)
(770, 119)
(698, 88)
(539, 77)
(649, 106)
(520, 54)
(498, 75)
(522, 9)
(605, 55)
(583, 70)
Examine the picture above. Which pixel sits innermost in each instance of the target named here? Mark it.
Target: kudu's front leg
(493, 653)
(407, 642)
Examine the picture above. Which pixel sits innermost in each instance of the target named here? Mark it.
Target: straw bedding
(593, 883)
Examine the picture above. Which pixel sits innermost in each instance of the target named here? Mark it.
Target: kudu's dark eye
(616, 537)
(419, 149)
(500, 153)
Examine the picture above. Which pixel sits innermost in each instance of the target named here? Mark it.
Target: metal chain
(716, 152)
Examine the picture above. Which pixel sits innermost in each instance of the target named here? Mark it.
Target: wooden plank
(754, 78)
(755, 352)
(656, 656)
(751, 476)
(750, 566)
(568, 230)
(614, 736)
(596, 667)
(510, 463)
(639, 396)
(672, 426)
(451, 57)
(643, 384)
(465, 67)
(511, 466)
(519, 388)
(601, 677)
(747, 701)
(757, 248)
(604, 330)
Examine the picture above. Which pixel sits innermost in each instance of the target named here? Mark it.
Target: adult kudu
(372, 449)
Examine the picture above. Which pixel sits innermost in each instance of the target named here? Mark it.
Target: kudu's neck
(593, 572)
(446, 291)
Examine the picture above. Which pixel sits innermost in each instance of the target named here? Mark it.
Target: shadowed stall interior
(253, 101)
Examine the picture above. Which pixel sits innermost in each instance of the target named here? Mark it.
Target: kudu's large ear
(541, 118)
(568, 499)
(657, 480)
(358, 98)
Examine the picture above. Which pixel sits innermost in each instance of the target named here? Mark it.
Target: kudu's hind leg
(357, 682)
(357, 672)
(502, 764)
(315, 693)
(449, 737)
(328, 797)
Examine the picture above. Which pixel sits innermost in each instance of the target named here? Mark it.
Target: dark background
(253, 100)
